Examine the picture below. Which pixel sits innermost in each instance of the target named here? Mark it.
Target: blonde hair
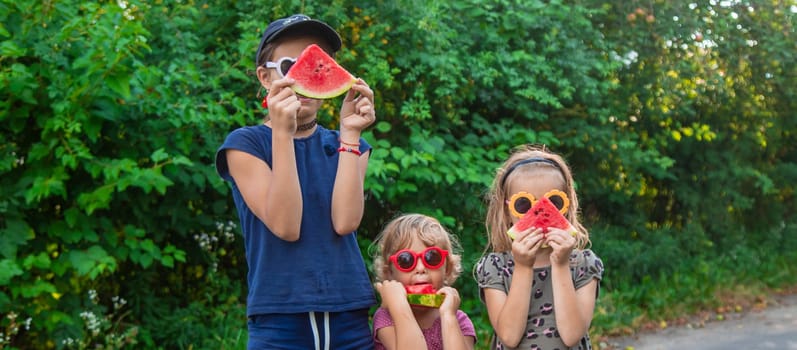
(399, 233)
(499, 218)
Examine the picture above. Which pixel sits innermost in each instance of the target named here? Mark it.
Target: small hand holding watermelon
(424, 295)
(318, 76)
(544, 215)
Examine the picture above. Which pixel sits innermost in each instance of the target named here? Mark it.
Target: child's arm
(275, 197)
(509, 324)
(348, 201)
(574, 308)
(405, 332)
(453, 339)
(504, 310)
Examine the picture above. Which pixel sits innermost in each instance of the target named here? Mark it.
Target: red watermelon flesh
(317, 75)
(543, 214)
(423, 295)
(425, 288)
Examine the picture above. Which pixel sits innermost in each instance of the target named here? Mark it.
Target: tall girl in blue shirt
(298, 190)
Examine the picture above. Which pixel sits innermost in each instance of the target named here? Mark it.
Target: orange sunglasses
(522, 201)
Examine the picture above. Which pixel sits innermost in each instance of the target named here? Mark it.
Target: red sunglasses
(432, 257)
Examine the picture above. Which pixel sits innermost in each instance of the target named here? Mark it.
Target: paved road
(772, 328)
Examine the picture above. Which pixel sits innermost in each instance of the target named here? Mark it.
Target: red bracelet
(349, 149)
(349, 144)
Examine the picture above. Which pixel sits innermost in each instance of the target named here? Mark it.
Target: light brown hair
(499, 218)
(399, 233)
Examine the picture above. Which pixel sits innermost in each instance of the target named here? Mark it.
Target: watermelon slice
(424, 295)
(317, 75)
(543, 214)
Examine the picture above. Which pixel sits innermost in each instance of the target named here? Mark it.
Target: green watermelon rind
(427, 300)
(323, 96)
(304, 76)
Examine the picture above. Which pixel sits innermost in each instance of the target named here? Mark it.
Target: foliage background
(676, 116)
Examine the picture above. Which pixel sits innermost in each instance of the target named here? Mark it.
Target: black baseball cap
(298, 22)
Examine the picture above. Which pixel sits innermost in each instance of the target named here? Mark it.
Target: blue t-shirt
(322, 271)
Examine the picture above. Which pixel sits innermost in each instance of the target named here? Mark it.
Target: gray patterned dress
(495, 271)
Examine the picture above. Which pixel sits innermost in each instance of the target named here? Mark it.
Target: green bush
(676, 119)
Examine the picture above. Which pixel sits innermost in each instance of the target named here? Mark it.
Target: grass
(690, 296)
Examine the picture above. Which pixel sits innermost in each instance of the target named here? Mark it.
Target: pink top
(433, 334)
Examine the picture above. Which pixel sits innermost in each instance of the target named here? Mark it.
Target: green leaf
(38, 287)
(159, 155)
(167, 261)
(383, 126)
(182, 160)
(8, 270)
(39, 261)
(92, 261)
(14, 235)
(145, 260)
(178, 254)
(46, 186)
(65, 233)
(3, 31)
(97, 199)
(10, 49)
(71, 216)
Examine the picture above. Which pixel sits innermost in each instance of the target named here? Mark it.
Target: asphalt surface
(774, 327)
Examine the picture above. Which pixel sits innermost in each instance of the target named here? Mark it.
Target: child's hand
(562, 242)
(392, 292)
(526, 245)
(357, 111)
(283, 105)
(451, 302)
